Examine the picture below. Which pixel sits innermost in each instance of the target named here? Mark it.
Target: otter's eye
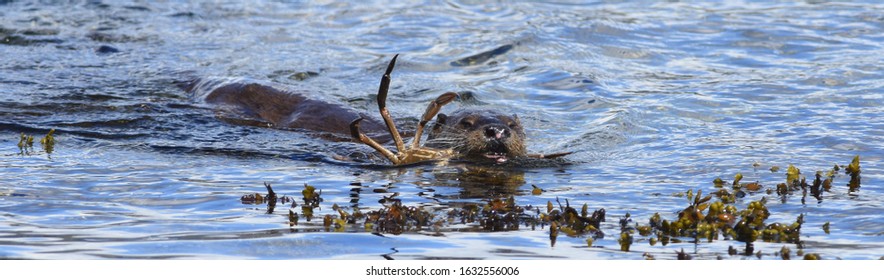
(467, 123)
(512, 125)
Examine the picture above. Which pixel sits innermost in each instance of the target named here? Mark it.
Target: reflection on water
(654, 99)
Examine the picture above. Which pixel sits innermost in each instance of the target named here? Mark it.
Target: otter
(471, 134)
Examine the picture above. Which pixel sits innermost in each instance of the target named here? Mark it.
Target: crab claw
(432, 109)
(383, 89)
(354, 131)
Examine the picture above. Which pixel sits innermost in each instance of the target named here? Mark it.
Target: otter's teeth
(498, 157)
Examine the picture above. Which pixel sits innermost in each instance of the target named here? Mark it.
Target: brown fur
(281, 109)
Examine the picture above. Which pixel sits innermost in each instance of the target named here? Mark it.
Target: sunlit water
(654, 99)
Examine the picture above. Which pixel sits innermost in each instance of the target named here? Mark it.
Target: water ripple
(653, 98)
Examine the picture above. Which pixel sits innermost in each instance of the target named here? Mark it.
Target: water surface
(654, 99)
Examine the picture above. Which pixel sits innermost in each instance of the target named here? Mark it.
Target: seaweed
(535, 190)
(396, 218)
(48, 141)
(293, 218)
(821, 184)
(853, 170)
(784, 253)
(792, 175)
(705, 218)
(718, 182)
(254, 198)
(575, 224)
(270, 198)
(737, 179)
(311, 200)
(625, 241)
(25, 144)
(681, 255)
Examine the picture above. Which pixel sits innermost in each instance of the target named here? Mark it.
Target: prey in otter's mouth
(469, 134)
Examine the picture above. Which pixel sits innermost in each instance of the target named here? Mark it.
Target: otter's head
(479, 135)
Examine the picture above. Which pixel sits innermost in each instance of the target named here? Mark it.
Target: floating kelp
(293, 218)
(396, 218)
(822, 183)
(625, 241)
(815, 188)
(572, 223)
(681, 255)
(752, 187)
(792, 175)
(311, 200)
(705, 218)
(737, 179)
(853, 170)
(25, 143)
(500, 215)
(784, 253)
(535, 190)
(711, 220)
(553, 233)
(270, 198)
(255, 198)
(48, 141)
(311, 197)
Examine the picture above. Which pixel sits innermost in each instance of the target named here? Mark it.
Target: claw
(404, 155)
(354, 130)
(382, 106)
(432, 109)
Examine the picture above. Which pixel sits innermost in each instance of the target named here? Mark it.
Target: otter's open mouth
(497, 157)
(497, 151)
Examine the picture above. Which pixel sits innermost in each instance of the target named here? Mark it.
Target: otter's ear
(440, 122)
(441, 119)
(516, 119)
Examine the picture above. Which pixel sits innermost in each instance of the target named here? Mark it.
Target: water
(654, 99)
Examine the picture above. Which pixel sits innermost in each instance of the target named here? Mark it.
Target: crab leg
(554, 155)
(431, 112)
(382, 106)
(354, 130)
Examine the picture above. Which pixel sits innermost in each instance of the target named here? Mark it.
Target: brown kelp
(724, 213)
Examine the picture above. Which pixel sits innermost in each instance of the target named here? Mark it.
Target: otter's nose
(496, 132)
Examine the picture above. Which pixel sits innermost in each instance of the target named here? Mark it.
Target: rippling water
(653, 98)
